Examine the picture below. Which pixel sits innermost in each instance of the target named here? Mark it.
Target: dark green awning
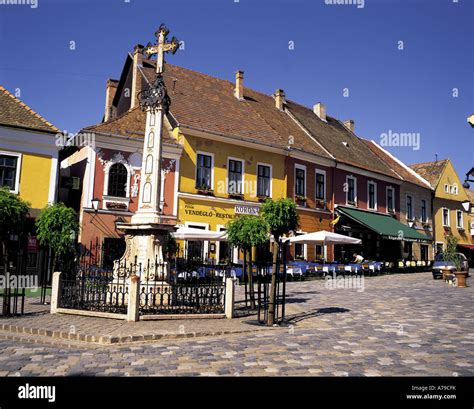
(385, 225)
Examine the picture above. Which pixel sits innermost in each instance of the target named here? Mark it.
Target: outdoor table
(294, 270)
(188, 274)
(329, 268)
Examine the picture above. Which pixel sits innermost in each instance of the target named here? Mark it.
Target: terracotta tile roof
(208, 103)
(15, 113)
(344, 145)
(407, 174)
(130, 125)
(431, 171)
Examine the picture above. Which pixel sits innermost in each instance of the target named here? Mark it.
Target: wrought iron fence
(186, 288)
(91, 288)
(164, 289)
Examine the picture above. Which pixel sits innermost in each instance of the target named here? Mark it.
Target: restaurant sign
(245, 209)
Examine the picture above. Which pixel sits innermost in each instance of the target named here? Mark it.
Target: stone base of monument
(144, 246)
(143, 257)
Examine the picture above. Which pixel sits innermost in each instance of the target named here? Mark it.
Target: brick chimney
(349, 124)
(239, 85)
(279, 99)
(110, 90)
(320, 110)
(137, 76)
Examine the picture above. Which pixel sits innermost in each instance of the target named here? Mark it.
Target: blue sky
(335, 47)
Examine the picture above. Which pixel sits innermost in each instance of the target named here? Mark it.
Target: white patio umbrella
(324, 237)
(190, 233)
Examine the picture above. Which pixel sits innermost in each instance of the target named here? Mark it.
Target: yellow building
(28, 152)
(449, 213)
(28, 167)
(219, 180)
(236, 144)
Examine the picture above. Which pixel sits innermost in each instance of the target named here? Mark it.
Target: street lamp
(466, 204)
(95, 204)
(118, 220)
(468, 175)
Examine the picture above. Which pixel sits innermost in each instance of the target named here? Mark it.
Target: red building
(106, 173)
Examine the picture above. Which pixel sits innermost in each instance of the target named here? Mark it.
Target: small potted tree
(247, 232)
(452, 255)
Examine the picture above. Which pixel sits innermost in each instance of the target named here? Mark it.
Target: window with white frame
(424, 212)
(409, 207)
(459, 219)
(371, 195)
(235, 175)
(320, 184)
(351, 190)
(204, 171)
(300, 181)
(454, 189)
(446, 188)
(10, 171)
(445, 217)
(264, 177)
(390, 199)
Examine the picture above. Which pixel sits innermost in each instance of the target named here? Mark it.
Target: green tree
(282, 218)
(451, 252)
(13, 211)
(246, 232)
(57, 228)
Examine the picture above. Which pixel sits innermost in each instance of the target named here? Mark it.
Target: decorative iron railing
(181, 298)
(162, 290)
(94, 289)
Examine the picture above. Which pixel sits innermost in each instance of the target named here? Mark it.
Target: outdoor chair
(329, 269)
(365, 268)
(319, 271)
(310, 271)
(341, 269)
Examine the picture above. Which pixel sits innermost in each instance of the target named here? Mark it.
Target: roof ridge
(29, 109)
(401, 164)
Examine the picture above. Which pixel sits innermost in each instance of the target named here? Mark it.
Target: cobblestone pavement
(399, 325)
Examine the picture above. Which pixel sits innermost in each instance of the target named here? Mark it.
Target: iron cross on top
(161, 47)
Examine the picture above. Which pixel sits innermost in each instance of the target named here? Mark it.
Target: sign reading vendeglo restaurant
(190, 210)
(216, 214)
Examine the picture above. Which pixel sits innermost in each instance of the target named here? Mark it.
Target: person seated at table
(357, 258)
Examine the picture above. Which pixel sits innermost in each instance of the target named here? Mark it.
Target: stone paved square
(400, 325)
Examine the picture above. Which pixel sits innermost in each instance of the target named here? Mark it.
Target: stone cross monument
(145, 234)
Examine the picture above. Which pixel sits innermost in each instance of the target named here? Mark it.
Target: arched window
(117, 180)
